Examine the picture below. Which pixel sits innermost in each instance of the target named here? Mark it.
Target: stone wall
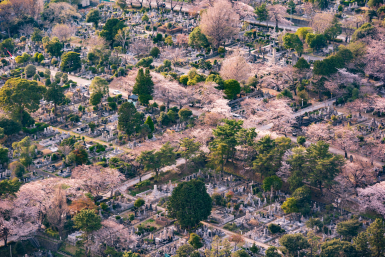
(49, 243)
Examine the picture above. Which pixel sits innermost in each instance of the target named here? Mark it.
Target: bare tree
(62, 31)
(26, 30)
(7, 15)
(56, 215)
(220, 22)
(65, 149)
(140, 46)
(321, 22)
(123, 36)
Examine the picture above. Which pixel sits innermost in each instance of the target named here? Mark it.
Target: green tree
(301, 140)
(375, 3)
(317, 41)
(3, 155)
(53, 47)
(322, 165)
(195, 241)
(24, 150)
(376, 238)
(302, 64)
(70, 62)
(334, 29)
(144, 86)
(18, 169)
(139, 202)
(294, 243)
(197, 39)
(270, 152)
(150, 123)
(240, 253)
(262, 13)
(303, 198)
(36, 35)
(184, 251)
(22, 58)
(10, 126)
(254, 249)
(155, 52)
(323, 4)
(152, 160)
(272, 182)
(302, 32)
(188, 149)
(9, 186)
(361, 243)
(30, 70)
(227, 135)
(290, 205)
(190, 203)
(111, 28)
(367, 29)
(274, 228)
(87, 221)
(94, 17)
(292, 41)
(55, 94)
(96, 98)
(17, 95)
(336, 247)
(349, 228)
(127, 120)
(272, 251)
(232, 88)
(184, 114)
(78, 156)
(122, 4)
(168, 41)
(7, 44)
(291, 7)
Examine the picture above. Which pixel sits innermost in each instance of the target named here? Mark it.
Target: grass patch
(231, 226)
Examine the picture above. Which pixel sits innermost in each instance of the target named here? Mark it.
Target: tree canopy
(190, 203)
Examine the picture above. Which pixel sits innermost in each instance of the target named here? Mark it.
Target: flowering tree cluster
(372, 198)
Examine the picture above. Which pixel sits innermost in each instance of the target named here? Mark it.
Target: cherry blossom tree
(277, 13)
(182, 39)
(272, 77)
(357, 174)
(374, 58)
(346, 138)
(284, 171)
(274, 113)
(97, 179)
(220, 22)
(235, 67)
(337, 83)
(321, 22)
(372, 198)
(113, 234)
(320, 131)
(210, 98)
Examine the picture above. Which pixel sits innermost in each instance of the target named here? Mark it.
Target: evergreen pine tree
(150, 123)
(144, 87)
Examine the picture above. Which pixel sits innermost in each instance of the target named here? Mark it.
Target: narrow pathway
(229, 233)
